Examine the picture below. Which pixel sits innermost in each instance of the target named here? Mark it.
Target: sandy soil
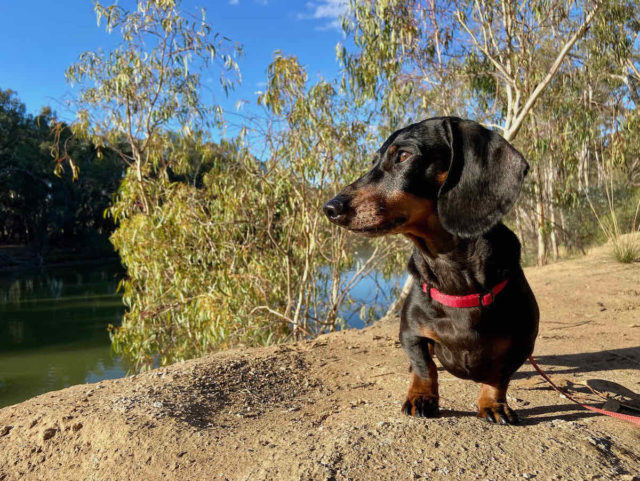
(329, 409)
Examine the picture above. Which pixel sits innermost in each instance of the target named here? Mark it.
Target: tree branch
(512, 130)
(501, 68)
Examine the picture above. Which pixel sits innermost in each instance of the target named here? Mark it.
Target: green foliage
(151, 83)
(188, 261)
(382, 32)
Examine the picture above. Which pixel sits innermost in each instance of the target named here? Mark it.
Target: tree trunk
(537, 184)
(519, 229)
(552, 212)
(583, 167)
(398, 303)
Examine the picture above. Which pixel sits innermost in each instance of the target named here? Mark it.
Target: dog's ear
(484, 179)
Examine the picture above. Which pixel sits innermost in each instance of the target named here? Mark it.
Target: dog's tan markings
(422, 398)
(365, 196)
(424, 387)
(375, 208)
(427, 332)
(368, 204)
(441, 177)
(415, 208)
(392, 149)
(423, 226)
(492, 405)
(489, 396)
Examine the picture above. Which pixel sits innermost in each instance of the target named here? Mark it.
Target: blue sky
(41, 38)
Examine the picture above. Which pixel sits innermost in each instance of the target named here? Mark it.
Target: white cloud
(234, 2)
(328, 10)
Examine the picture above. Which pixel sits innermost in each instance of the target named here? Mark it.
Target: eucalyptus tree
(317, 140)
(150, 84)
(580, 125)
(144, 100)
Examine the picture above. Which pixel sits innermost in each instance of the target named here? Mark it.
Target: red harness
(471, 300)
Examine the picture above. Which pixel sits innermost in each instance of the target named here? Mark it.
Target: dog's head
(443, 172)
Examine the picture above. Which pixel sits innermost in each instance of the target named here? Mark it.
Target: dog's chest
(470, 358)
(465, 347)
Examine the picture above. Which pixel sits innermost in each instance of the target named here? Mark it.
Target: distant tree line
(42, 210)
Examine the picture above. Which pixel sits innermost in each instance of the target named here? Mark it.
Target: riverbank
(20, 257)
(330, 408)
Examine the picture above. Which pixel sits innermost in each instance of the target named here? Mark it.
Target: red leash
(624, 417)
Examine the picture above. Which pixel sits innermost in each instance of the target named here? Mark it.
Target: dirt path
(330, 409)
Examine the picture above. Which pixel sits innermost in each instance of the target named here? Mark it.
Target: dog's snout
(334, 209)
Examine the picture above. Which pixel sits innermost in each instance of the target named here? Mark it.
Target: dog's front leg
(422, 398)
(492, 404)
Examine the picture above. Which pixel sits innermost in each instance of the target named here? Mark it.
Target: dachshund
(445, 183)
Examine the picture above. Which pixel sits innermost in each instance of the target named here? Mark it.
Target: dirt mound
(329, 409)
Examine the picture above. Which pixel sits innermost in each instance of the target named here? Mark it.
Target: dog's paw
(499, 413)
(421, 406)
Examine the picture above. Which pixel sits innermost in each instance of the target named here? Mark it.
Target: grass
(626, 245)
(626, 248)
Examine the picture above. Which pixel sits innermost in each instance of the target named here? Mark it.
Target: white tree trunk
(519, 228)
(542, 251)
(552, 211)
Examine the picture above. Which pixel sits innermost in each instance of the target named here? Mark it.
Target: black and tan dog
(445, 183)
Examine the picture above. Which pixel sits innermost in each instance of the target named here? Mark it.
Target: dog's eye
(403, 155)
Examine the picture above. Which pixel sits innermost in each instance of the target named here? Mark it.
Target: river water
(53, 329)
(53, 326)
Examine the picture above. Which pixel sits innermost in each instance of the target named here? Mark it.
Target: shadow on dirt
(565, 412)
(545, 414)
(560, 366)
(614, 359)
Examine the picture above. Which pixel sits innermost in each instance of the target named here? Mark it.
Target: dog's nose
(334, 209)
